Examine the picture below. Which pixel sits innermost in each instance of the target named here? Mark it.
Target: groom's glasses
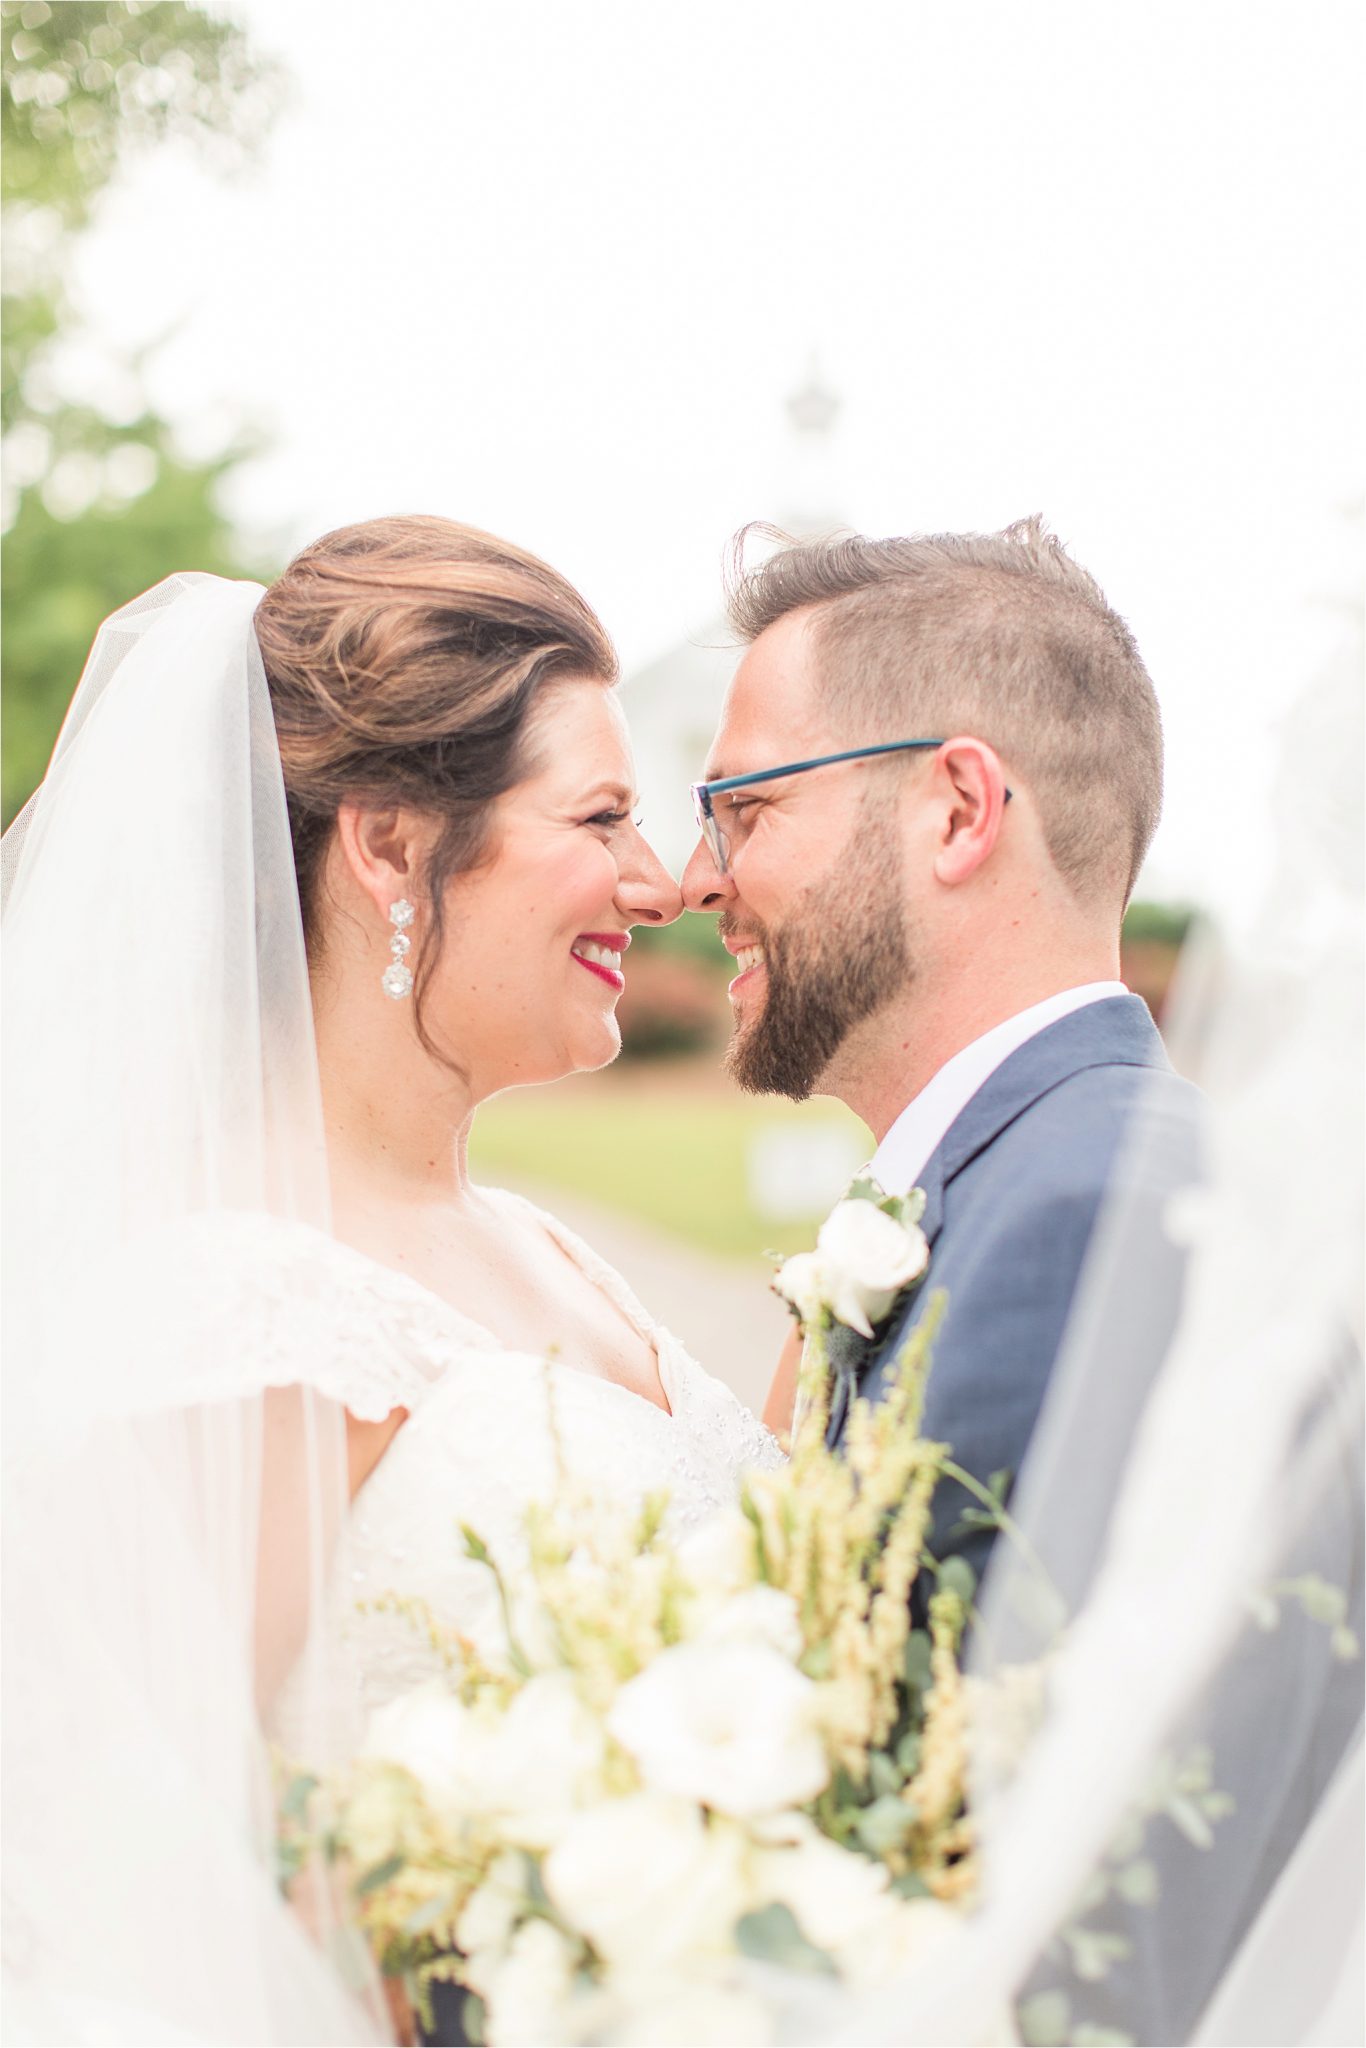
(703, 793)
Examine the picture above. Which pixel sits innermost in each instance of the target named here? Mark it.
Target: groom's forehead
(770, 713)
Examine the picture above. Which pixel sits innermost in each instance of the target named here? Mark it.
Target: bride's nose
(646, 890)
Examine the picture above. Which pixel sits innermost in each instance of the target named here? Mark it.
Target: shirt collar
(902, 1156)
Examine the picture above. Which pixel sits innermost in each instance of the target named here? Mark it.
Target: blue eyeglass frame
(703, 792)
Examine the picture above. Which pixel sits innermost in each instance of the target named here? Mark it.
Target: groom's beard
(840, 955)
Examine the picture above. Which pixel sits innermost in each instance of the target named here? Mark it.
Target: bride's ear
(382, 851)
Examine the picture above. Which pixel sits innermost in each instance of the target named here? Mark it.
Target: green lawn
(672, 1153)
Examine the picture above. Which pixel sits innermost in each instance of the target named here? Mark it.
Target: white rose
(803, 1281)
(647, 1880)
(490, 1915)
(759, 1614)
(728, 1724)
(528, 1767)
(538, 1762)
(429, 1733)
(867, 1257)
(836, 1895)
(679, 2011)
(718, 1555)
(531, 1990)
(898, 1940)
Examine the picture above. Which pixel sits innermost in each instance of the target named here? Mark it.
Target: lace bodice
(479, 1442)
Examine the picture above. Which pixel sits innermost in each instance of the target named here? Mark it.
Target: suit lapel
(932, 1182)
(1115, 1032)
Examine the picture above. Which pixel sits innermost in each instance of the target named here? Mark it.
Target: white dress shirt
(903, 1154)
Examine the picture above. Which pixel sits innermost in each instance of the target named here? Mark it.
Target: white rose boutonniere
(870, 1248)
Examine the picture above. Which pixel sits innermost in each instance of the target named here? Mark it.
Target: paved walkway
(723, 1309)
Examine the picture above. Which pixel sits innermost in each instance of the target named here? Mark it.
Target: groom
(927, 926)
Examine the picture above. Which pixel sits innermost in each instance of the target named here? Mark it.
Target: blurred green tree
(99, 501)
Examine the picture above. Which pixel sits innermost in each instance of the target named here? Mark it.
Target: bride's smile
(534, 962)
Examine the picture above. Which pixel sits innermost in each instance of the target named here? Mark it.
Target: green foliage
(774, 1936)
(1163, 924)
(105, 506)
(59, 578)
(886, 1824)
(674, 1157)
(957, 1576)
(687, 938)
(86, 83)
(375, 1878)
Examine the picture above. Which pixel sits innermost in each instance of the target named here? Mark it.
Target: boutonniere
(869, 1250)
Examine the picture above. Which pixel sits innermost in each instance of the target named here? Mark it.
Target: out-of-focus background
(613, 281)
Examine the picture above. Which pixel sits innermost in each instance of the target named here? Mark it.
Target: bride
(460, 791)
(313, 874)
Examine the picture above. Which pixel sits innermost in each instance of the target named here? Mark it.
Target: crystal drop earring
(397, 978)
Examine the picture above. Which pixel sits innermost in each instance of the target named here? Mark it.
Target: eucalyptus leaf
(428, 1915)
(909, 1886)
(885, 1824)
(294, 1805)
(917, 1664)
(379, 1874)
(957, 1576)
(773, 1935)
(908, 1752)
(883, 1775)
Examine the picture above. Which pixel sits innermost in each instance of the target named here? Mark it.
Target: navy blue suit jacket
(1012, 1196)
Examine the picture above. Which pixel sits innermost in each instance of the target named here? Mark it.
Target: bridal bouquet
(685, 1757)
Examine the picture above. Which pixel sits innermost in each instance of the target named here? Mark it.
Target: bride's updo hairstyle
(405, 658)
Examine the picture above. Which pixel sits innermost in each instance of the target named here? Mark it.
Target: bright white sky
(552, 267)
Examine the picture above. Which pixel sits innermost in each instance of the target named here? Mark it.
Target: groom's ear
(970, 792)
(381, 851)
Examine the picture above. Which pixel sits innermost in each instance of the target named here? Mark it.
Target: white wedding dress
(483, 1430)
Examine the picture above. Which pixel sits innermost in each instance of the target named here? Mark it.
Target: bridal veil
(169, 1513)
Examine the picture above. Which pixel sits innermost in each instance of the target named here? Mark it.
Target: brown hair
(1001, 635)
(405, 658)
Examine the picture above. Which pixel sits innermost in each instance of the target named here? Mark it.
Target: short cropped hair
(1000, 635)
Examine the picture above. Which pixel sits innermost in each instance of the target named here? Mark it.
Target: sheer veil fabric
(169, 1517)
